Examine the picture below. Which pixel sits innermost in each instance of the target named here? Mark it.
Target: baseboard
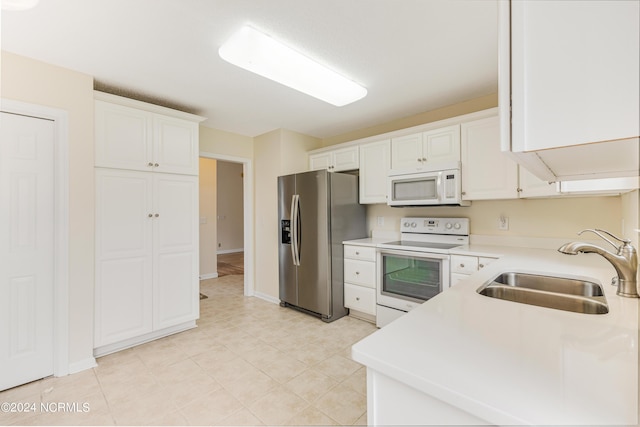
(230, 251)
(132, 342)
(209, 276)
(266, 297)
(82, 365)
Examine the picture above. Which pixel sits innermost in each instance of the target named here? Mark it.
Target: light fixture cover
(18, 4)
(261, 54)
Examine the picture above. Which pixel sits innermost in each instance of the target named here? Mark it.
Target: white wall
(229, 207)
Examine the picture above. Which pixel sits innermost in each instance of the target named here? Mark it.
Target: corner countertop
(511, 363)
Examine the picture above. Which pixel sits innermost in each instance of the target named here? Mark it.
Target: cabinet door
(574, 72)
(532, 186)
(123, 292)
(346, 159)
(487, 173)
(320, 161)
(175, 255)
(406, 152)
(442, 145)
(123, 137)
(175, 148)
(375, 161)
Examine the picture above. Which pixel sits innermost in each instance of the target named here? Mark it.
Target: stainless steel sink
(560, 293)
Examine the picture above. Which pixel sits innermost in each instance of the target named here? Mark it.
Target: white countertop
(511, 363)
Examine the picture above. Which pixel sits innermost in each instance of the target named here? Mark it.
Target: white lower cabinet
(462, 266)
(360, 279)
(146, 256)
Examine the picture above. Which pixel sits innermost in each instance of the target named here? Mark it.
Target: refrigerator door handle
(295, 252)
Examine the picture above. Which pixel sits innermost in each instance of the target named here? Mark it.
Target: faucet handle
(599, 233)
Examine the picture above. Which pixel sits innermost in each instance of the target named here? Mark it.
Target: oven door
(407, 278)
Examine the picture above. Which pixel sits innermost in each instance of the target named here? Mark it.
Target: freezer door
(287, 269)
(314, 271)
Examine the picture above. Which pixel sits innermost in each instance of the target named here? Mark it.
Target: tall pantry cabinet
(147, 283)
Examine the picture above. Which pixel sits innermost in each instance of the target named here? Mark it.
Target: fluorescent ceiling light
(261, 54)
(18, 4)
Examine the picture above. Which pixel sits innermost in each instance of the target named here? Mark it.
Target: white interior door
(26, 249)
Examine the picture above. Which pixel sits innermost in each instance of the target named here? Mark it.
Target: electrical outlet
(380, 221)
(503, 223)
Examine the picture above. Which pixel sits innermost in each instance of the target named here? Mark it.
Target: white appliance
(430, 186)
(416, 268)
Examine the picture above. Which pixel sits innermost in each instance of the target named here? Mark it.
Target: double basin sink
(559, 293)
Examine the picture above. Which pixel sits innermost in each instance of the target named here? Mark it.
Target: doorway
(33, 243)
(229, 248)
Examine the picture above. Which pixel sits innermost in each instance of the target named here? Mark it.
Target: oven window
(419, 189)
(410, 277)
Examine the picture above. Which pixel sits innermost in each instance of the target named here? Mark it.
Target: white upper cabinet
(570, 70)
(418, 150)
(343, 159)
(487, 173)
(130, 136)
(375, 161)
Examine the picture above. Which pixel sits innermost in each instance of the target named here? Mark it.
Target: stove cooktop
(408, 244)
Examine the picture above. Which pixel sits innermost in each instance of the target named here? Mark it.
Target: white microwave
(426, 187)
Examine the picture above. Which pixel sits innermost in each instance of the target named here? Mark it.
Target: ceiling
(412, 56)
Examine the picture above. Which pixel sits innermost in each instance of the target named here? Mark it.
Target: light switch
(203, 220)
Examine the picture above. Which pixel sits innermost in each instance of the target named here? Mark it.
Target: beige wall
(208, 212)
(553, 218)
(631, 217)
(466, 107)
(279, 152)
(230, 206)
(214, 141)
(38, 83)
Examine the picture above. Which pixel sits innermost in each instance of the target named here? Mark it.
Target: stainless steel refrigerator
(318, 210)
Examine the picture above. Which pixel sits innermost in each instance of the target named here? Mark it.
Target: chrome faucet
(625, 260)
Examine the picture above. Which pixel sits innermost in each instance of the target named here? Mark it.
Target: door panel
(286, 268)
(314, 271)
(176, 232)
(123, 255)
(26, 249)
(175, 145)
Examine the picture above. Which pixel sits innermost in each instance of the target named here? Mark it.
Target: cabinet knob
(419, 159)
(424, 159)
(156, 165)
(357, 272)
(464, 193)
(150, 164)
(480, 266)
(157, 215)
(357, 298)
(357, 253)
(519, 190)
(150, 215)
(461, 265)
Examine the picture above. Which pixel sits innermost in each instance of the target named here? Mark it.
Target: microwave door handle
(439, 187)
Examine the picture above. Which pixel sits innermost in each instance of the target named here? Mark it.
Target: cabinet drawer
(367, 253)
(360, 298)
(360, 272)
(464, 264)
(484, 261)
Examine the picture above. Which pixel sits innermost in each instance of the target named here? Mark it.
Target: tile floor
(249, 362)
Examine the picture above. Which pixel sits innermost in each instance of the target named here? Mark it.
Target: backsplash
(554, 218)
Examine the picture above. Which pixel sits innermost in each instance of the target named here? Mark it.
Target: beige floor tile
(338, 367)
(342, 404)
(277, 407)
(211, 408)
(243, 417)
(141, 408)
(171, 419)
(250, 386)
(311, 416)
(213, 357)
(284, 369)
(358, 381)
(311, 384)
(362, 421)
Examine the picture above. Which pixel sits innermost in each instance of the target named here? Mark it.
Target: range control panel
(455, 226)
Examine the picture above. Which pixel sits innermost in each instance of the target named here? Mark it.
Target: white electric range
(416, 268)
